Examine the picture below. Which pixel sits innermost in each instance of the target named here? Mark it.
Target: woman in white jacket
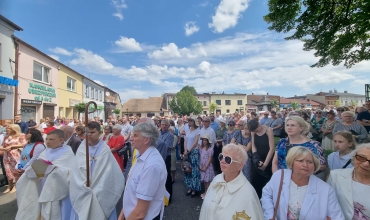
(303, 195)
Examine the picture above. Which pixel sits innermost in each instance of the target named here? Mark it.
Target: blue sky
(146, 48)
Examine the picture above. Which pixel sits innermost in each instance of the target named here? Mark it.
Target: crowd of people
(283, 164)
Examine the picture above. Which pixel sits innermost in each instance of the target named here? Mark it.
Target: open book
(40, 166)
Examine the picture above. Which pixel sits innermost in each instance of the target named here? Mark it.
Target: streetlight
(127, 111)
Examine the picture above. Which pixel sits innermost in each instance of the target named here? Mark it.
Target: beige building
(152, 106)
(229, 103)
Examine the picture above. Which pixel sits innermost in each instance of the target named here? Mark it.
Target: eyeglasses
(240, 124)
(358, 157)
(318, 113)
(230, 124)
(228, 159)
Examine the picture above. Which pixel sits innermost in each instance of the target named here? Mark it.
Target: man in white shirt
(43, 124)
(145, 188)
(207, 130)
(71, 123)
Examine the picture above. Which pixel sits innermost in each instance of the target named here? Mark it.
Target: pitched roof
(151, 104)
(300, 101)
(9, 22)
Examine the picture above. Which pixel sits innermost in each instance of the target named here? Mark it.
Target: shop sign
(73, 102)
(27, 101)
(8, 81)
(6, 92)
(41, 92)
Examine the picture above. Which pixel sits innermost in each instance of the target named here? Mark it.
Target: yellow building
(70, 91)
(229, 103)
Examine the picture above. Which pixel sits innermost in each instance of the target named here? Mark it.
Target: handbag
(279, 193)
(186, 166)
(123, 150)
(255, 160)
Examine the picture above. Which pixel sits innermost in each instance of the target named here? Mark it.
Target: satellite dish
(107, 94)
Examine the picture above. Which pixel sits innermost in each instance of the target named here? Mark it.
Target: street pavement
(182, 207)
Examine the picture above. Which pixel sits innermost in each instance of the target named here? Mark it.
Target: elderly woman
(226, 196)
(327, 130)
(116, 143)
(296, 128)
(192, 179)
(303, 195)
(352, 185)
(107, 134)
(218, 146)
(11, 145)
(357, 129)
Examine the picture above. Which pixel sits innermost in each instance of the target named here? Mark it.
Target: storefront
(7, 97)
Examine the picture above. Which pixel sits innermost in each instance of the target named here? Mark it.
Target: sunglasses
(358, 157)
(228, 159)
(240, 124)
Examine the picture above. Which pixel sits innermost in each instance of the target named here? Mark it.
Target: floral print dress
(11, 157)
(208, 175)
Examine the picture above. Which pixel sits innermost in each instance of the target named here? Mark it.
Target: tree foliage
(337, 103)
(116, 111)
(184, 103)
(212, 107)
(80, 107)
(338, 30)
(189, 88)
(294, 104)
(274, 103)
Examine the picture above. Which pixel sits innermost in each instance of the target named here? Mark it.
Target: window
(71, 84)
(218, 102)
(41, 73)
(204, 103)
(87, 91)
(100, 95)
(205, 112)
(240, 102)
(227, 102)
(96, 94)
(328, 102)
(92, 93)
(227, 111)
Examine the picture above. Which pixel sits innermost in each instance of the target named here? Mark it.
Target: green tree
(184, 103)
(212, 107)
(337, 30)
(116, 111)
(353, 103)
(80, 107)
(274, 103)
(189, 88)
(337, 103)
(294, 104)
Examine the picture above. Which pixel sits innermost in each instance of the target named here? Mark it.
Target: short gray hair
(171, 128)
(148, 130)
(166, 121)
(239, 150)
(117, 127)
(349, 113)
(299, 152)
(358, 148)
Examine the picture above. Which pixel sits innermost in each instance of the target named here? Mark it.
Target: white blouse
(296, 197)
(360, 202)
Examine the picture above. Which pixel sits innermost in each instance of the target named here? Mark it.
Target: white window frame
(87, 91)
(96, 93)
(228, 101)
(43, 67)
(241, 102)
(92, 93)
(73, 84)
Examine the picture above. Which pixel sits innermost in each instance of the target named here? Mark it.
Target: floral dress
(327, 140)
(240, 139)
(208, 175)
(11, 157)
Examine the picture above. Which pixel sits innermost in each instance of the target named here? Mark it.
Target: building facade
(38, 83)
(204, 99)
(229, 103)
(94, 92)
(152, 106)
(8, 83)
(112, 101)
(70, 92)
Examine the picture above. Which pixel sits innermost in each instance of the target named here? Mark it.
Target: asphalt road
(182, 207)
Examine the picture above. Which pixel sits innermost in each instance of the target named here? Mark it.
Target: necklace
(93, 158)
(355, 179)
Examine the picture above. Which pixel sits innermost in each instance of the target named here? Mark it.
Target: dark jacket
(74, 143)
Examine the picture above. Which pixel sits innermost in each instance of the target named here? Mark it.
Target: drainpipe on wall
(16, 74)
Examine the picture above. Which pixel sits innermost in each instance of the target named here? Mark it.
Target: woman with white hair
(226, 196)
(357, 129)
(352, 185)
(295, 193)
(116, 143)
(296, 127)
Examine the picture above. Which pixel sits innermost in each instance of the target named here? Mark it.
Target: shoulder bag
(279, 193)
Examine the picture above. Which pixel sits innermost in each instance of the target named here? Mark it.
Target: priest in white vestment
(230, 195)
(106, 180)
(47, 197)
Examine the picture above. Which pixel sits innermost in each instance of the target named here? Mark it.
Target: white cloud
(99, 82)
(128, 44)
(61, 51)
(127, 94)
(91, 61)
(167, 51)
(55, 57)
(119, 5)
(227, 14)
(190, 28)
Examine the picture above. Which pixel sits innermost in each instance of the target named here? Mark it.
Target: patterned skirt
(247, 167)
(192, 179)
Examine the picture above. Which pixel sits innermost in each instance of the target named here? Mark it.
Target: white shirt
(43, 125)
(360, 202)
(146, 181)
(190, 137)
(72, 124)
(211, 134)
(296, 197)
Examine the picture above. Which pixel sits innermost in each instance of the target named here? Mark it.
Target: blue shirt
(214, 125)
(24, 127)
(167, 137)
(364, 115)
